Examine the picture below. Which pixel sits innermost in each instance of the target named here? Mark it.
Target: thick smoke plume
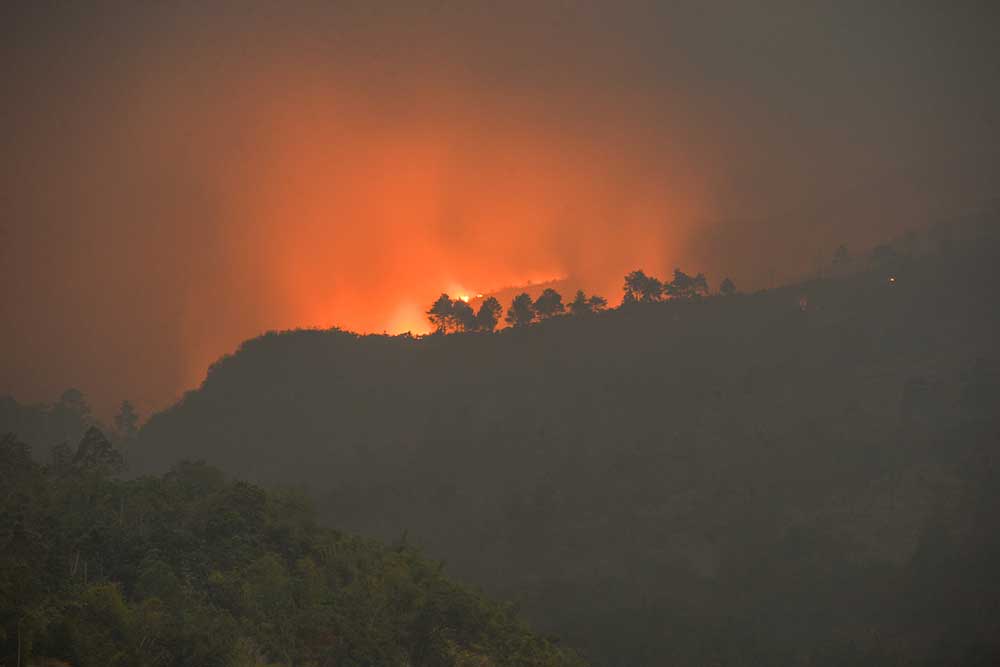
(180, 179)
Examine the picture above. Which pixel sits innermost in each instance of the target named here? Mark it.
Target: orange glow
(182, 178)
(300, 194)
(361, 222)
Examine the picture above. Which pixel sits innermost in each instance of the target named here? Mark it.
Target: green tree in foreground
(191, 569)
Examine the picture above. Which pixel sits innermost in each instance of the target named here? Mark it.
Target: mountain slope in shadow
(805, 474)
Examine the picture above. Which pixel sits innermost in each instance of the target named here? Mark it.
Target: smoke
(183, 178)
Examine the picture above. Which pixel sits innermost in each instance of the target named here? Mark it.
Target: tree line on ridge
(449, 315)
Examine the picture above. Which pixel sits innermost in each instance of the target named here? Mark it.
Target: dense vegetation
(449, 315)
(805, 474)
(192, 569)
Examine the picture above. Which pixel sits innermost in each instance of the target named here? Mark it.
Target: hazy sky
(180, 177)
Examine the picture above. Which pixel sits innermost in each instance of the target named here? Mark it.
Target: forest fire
(227, 180)
(322, 323)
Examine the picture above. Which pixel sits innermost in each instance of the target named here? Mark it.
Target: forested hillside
(192, 569)
(802, 474)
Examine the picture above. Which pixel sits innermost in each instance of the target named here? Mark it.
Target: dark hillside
(804, 474)
(191, 569)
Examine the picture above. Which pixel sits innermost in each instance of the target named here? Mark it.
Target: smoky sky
(179, 177)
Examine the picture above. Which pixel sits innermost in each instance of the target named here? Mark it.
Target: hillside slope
(193, 569)
(801, 474)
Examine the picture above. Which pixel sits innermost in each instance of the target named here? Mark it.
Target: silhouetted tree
(127, 421)
(700, 285)
(679, 286)
(521, 312)
(640, 288)
(489, 315)
(463, 318)
(597, 303)
(549, 304)
(727, 288)
(684, 286)
(841, 256)
(440, 314)
(96, 453)
(582, 305)
(579, 304)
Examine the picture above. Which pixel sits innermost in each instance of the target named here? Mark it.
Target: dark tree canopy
(452, 315)
(489, 315)
(584, 305)
(188, 568)
(95, 452)
(684, 286)
(463, 318)
(549, 304)
(521, 312)
(440, 314)
(640, 288)
(538, 453)
(597, 303)
(579, 304)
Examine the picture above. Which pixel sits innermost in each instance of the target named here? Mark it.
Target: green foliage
(724, 481)
(46, 426)
(192, 569)
(96, 455)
